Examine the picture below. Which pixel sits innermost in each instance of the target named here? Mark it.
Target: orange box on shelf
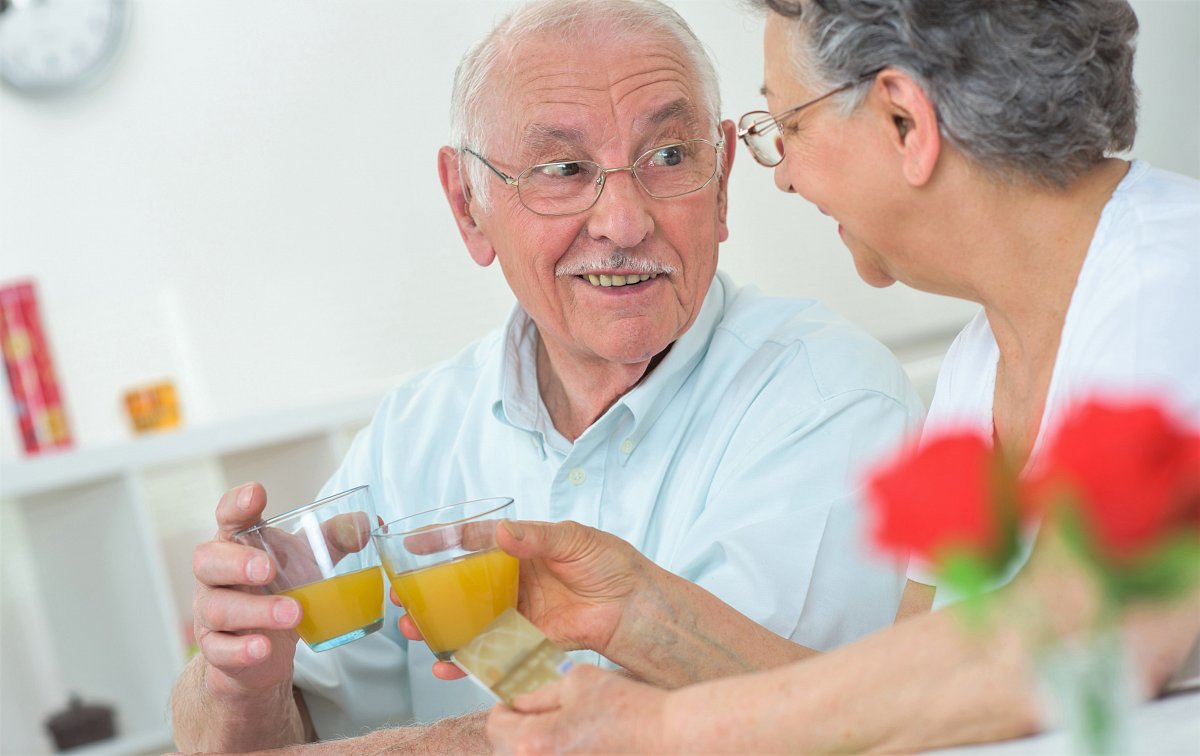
(153, 407)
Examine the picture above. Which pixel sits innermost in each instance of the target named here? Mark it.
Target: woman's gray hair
(473, 101)
(1029, 89)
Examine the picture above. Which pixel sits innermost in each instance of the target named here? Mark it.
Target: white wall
(248, 203)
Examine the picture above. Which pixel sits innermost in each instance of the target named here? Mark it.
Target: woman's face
(832, 160)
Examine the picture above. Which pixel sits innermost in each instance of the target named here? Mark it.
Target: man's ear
(458, 194)
(727, 154)
(911, 123)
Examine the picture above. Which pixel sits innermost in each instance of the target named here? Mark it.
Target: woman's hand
(575, 584)
(589, 711)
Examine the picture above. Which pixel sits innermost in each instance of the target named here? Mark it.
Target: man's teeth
(607, 280)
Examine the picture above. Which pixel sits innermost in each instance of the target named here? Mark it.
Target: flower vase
(1089, 693)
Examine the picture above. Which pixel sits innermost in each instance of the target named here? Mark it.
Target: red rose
(940, 500)
(1132, 474)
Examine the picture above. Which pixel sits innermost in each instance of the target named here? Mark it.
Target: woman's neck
(1041, 240)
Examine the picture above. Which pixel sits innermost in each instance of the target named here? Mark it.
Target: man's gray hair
(1028, 89)
(477, 80)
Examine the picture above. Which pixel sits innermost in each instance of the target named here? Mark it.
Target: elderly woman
(964, 149)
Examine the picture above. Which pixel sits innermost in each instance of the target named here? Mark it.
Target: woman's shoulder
(1146, 241)
(1154, 206)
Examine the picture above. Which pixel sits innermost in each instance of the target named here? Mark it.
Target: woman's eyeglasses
(763, 132)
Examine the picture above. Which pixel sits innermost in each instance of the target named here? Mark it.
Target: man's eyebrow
(543, 138)
(764, 91)
(681, 109)
(540, 138)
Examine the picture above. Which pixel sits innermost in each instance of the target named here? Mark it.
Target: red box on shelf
(37, 400)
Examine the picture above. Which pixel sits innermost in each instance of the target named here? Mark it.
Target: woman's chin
(868, 270)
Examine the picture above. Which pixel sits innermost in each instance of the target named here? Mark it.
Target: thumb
(530, 539)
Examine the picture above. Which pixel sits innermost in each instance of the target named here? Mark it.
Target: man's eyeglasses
(763, 132)
(573, 186)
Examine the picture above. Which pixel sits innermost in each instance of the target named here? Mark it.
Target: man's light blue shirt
(736, 463)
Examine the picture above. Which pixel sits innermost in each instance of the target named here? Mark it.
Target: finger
(395, 599)
(556, 541)
(221, 563)
(545, 698)
(479, 535)
(234, 653)
(409, 629)
(239, 508)
(346, 533)
(225, 610)
(503, 726)
(432, 541)
(447, 671)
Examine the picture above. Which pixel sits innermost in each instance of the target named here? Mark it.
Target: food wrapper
(511, 656)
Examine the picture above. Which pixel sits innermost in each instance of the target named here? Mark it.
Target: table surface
(1168, 725)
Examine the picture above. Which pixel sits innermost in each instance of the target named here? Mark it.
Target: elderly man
(633, 389)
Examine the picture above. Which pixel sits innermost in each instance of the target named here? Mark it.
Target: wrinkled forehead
(586, 93)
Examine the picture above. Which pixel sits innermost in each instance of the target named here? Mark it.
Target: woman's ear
(458, 194)
(911, 123)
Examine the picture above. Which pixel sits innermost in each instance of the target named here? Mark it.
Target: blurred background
(244, 205)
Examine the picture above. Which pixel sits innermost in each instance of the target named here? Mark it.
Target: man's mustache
(615, 261)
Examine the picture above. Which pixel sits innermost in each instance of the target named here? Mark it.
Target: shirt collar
(520, 405)
(647, 400)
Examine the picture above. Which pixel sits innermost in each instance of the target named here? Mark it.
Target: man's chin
(633, 347)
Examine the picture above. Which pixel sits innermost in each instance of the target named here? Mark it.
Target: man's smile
(606, 279)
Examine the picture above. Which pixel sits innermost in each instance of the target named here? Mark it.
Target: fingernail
(516, 530)
(286, 611)
(257, 648)
(258, 569)
(244, 497)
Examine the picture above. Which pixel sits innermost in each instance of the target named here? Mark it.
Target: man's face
(608, 102)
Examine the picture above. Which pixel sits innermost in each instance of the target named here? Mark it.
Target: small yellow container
(152, 407)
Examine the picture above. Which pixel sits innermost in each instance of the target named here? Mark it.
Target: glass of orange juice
(447, 571)
(325, 561)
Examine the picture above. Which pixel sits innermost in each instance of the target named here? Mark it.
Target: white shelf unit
(96, 546)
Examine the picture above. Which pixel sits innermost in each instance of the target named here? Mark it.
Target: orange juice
(339, 605)
(452, 602)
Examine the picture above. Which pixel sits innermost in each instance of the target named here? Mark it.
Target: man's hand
(589, 711)
(575, 582)
(245, 636)
(237, 694)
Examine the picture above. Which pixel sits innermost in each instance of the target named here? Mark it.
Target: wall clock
(58, 45)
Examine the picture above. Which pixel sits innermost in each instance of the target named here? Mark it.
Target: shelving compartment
(99, 595)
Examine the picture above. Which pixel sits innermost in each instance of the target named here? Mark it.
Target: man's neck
(576, 393)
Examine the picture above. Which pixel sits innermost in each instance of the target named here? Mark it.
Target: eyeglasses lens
(763, 136)
(565, 188)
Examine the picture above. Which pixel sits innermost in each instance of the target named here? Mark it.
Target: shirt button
(627, 446)
(577, 476)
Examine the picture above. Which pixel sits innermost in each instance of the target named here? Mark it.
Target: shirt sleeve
(784, 535)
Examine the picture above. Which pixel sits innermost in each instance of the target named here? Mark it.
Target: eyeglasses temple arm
(504, 176)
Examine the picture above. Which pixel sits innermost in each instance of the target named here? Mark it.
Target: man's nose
(621, 214)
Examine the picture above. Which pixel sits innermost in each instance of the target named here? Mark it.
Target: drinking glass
(447, 571)
(325, 561)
